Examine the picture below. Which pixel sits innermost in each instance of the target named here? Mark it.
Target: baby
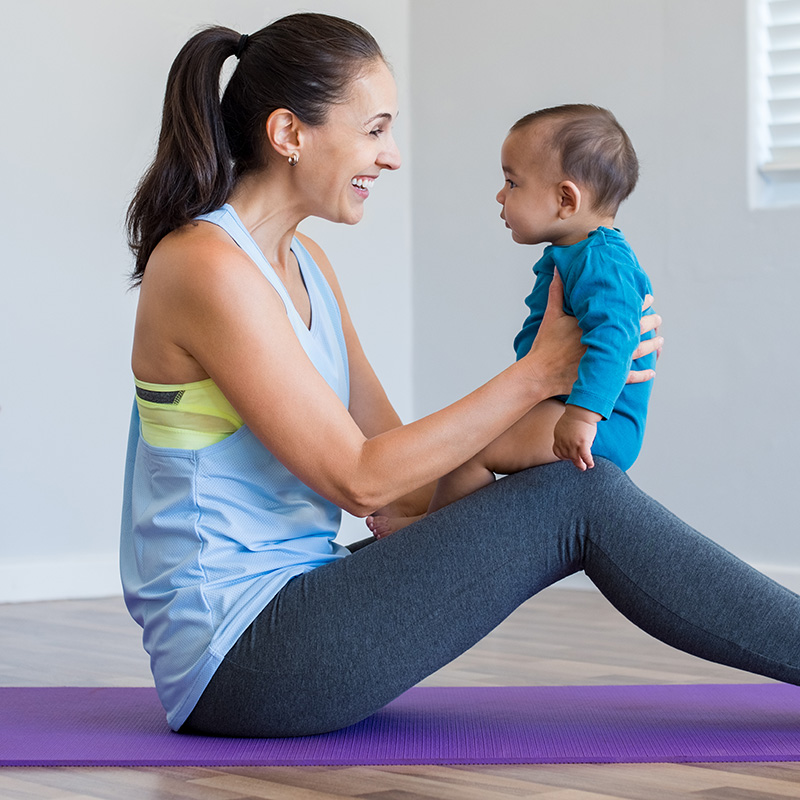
(567, 169)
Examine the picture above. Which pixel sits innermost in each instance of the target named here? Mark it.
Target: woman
(258, 417)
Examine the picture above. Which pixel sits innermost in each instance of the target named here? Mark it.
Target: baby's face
(530, 195)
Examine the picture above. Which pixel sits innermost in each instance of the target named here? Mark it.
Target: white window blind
(781, 153)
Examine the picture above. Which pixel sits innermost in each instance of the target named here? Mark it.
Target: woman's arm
(230, 320)
(370, 406)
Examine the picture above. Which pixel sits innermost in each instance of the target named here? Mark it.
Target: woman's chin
(349, 215)
(353, 216)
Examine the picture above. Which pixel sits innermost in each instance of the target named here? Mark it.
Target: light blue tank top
(210, 536)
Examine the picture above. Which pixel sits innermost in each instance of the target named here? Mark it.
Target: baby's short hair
(593, 148)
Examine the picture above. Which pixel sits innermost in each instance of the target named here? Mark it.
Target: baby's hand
(573, 436)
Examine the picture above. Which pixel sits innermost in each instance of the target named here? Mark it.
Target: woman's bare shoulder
(200, 248)
(198, 285)
(199, 267)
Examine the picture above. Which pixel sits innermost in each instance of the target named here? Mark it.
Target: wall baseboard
(29, 580)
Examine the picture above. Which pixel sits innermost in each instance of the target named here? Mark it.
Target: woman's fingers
(555, 298)
(645, 348)
(648, 346)
(640, 375)
(653, 345)
(650, 322)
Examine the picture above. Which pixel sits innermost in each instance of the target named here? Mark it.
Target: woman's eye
(376, 132)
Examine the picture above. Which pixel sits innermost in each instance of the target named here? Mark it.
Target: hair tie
(241, 46)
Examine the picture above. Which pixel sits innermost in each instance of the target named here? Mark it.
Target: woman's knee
(562, 480)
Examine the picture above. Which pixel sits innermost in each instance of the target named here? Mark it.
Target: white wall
(83, 84)
(722, 436)
(82, 87)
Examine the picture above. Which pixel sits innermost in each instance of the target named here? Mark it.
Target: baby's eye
(510, 183)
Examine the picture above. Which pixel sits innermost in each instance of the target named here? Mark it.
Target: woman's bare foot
(383, 526)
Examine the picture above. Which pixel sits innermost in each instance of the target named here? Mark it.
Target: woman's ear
(569, 197)
(283, 132)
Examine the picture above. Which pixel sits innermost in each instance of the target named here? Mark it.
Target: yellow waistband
(187, 416)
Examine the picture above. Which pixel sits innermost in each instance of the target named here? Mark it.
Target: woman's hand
(557, 349)
(650, 322)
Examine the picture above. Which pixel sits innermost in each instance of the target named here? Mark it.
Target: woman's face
(342, 158)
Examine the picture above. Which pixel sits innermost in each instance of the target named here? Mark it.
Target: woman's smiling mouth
(362, 184)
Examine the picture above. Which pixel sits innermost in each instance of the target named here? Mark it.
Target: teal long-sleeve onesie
(604, 288)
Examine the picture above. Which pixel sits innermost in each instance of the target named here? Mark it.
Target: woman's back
(210, 535)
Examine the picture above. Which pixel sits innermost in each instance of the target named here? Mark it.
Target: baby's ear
(569, 196)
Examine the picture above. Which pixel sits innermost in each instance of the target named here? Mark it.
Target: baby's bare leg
(527, 443)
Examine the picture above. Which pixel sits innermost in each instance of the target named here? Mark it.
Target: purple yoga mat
(511, 725)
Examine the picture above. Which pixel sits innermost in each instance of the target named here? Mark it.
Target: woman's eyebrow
(383, 115)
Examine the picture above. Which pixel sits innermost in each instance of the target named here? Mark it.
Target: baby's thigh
(527, 443)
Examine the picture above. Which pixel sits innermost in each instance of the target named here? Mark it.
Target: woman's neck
(265, 208)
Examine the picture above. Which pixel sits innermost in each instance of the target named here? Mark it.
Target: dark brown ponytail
(303, 62)
(192, 171)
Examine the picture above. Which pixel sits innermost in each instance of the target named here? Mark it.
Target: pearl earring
(293, 159)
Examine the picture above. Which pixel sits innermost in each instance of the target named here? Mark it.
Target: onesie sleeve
(606, 289)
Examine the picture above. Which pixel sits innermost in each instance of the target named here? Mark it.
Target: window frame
(774, 32)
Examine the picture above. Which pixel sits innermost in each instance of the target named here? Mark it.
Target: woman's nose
(390, 157)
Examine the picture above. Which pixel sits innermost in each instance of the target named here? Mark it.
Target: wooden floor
(561, 637)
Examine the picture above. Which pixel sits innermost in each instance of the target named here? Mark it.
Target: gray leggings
(338, 643)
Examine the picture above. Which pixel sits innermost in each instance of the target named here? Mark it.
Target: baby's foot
(383, 526)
